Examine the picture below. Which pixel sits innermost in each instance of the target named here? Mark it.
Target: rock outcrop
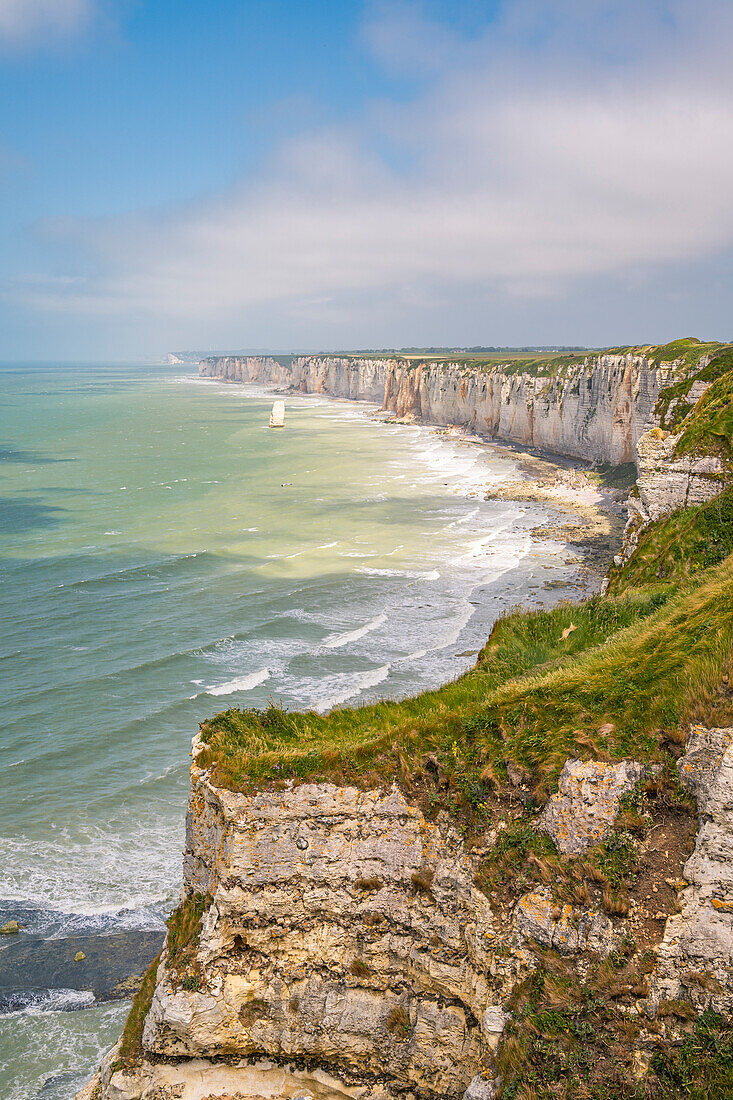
(344, 928)
(696, 955)
(346, 953)
(595, 411)
(583, 810)
(668, 481)
(564, 928)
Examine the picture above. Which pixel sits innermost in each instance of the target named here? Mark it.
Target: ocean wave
(55, 1053)
(178, 766)
(458, 624)
(305, 550)
(332, 691)
(369, 571)
(38, 1002)
(95, 870)
(462, 519)
(54, 924)
(144, 568)
(336, 641)
(240, 683)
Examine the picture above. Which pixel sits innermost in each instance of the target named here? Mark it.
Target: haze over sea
(165, 555)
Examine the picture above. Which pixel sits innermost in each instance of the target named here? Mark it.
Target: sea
(165, 555)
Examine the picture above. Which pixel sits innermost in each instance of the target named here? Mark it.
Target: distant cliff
(594, 409)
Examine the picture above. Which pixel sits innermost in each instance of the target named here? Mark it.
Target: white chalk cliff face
(596, 411)
(344, 928)
(668, 481)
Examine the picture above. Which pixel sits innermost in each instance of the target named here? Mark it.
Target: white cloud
(570, 141)
(25, 21)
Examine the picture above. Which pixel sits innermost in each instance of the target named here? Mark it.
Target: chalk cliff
(345, 951)
(595, 410)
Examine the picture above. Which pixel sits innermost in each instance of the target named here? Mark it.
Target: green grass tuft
(709, 427)
(131, 1046)
(184, 926)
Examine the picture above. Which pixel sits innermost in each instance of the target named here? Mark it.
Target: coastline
(596, 516)
(596, 513)
(109, 960)
(519, 718)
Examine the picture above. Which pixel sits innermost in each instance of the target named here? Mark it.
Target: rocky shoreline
(596, 511)
(107, 966)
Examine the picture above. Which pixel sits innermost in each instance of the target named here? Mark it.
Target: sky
(333, 174)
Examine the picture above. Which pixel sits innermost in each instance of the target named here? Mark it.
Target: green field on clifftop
(686, 353)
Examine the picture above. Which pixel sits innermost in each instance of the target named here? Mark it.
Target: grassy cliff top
(519, 363)
(706, 426)
(687, 353)
(607, 677)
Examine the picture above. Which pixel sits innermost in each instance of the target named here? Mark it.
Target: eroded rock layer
(344, 928)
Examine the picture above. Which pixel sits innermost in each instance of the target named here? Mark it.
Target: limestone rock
(301, 958)
(482, 1088)
(563, 928)
(91, 1089)
(10, 928)
(321, 946)
(696, 954)
(203, 1079)
(493, 1022)
(583, 811)
(667, 483)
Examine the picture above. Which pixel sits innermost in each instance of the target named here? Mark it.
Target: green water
(163, 554)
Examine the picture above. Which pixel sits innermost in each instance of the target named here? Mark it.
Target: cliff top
(686, 353)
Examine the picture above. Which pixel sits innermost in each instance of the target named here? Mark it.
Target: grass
(679, 546)
(709, 427)
(184, 927)
(572, 1038)
(687, 352)
(634, 665)
(701, 1068)
(131, 1044)
(622, 476)
(672, 405)
(510, 363)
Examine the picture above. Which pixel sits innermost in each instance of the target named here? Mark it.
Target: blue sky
(333, 173)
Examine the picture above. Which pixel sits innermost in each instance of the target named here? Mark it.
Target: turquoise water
(163, 554)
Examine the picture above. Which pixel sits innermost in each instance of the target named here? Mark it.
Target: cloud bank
(568, 141)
